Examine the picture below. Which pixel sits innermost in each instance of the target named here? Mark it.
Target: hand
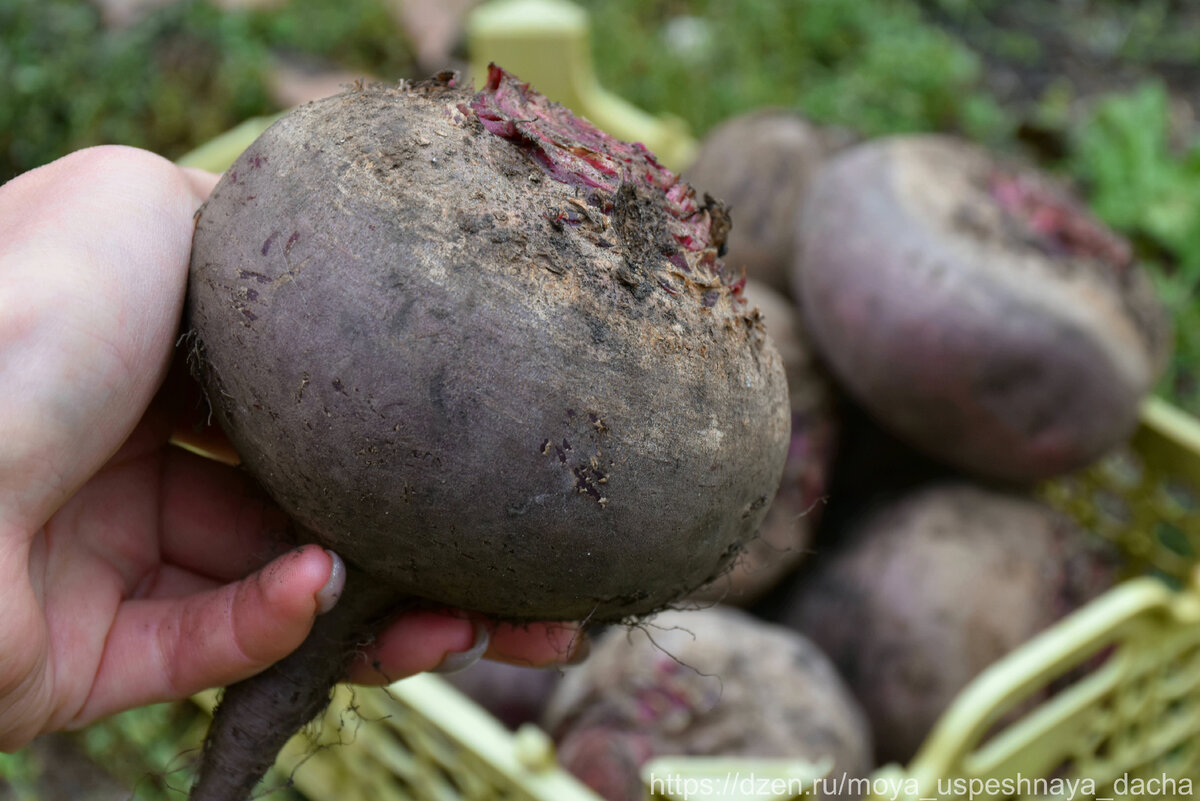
(123, 559)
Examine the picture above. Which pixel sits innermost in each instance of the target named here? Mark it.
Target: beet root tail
(258, 715)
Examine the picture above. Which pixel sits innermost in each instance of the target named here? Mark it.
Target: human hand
(124, 560)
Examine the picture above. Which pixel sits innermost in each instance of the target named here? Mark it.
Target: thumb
(162, 649)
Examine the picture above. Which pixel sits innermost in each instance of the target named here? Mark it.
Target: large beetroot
(975, 308)
(487, 354)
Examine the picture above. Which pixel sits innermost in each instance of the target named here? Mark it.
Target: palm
(153, 524)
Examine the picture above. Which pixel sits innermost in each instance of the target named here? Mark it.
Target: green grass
(153, 751)
(185, 74)
(141, 749)
(176, 79)
(1151, 192)
(876, 67)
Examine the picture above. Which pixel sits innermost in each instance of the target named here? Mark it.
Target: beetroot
(713, 682)
(487, 354)
(974, 308)
(928, 590)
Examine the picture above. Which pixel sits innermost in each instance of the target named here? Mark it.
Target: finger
(414, 642)
(25, 696)
(215, 520)
(94, 250)
(427, 639)
(168, 648)
(537, 644)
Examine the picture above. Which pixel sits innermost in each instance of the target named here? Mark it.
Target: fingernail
(327, 596)
(461, 660)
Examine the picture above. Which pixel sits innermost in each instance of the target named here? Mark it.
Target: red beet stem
(1058, 221)
(257, 716)
(575, 152)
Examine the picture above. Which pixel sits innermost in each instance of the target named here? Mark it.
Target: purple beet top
(1059, 223)
(573, 151)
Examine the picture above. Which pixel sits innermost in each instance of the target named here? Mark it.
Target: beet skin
(492, 373)
(487, 354)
